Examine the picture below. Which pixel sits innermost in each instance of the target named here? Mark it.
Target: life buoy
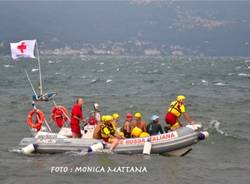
(39, 119)
(59, 115)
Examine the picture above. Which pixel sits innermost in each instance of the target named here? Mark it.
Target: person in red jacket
(76, 117)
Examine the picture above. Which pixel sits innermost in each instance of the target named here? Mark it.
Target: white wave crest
(204, 82)
(109, 80)
(220, 84)
(8, 66)
(75, 153)
(34, 69)
(243, 74)
(215, 124)
(15, 150)
(94, 81)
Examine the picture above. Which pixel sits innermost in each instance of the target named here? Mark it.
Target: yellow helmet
(180, 98)
(136, 132)
(116, 116)
(144, 134)
(109, 118)
(103, 118)
(138, 115)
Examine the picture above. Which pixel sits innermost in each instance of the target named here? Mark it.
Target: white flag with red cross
(24, 48)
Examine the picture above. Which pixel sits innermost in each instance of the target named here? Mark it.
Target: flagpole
(39, 67)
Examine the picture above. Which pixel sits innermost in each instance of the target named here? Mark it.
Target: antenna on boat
(32, 87)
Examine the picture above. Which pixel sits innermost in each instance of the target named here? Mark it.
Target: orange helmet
(129, 115)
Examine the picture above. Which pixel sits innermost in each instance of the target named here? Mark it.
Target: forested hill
(213, 28)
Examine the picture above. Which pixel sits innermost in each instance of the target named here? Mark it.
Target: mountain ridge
(207, 28)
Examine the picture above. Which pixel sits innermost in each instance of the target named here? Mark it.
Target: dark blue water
(218, 96)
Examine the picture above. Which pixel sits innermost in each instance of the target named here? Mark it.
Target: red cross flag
(24, 48)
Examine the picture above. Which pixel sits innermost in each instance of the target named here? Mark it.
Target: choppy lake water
(218, 96)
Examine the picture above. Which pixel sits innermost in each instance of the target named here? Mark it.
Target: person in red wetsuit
(76, 117)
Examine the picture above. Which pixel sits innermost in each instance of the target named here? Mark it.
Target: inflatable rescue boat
(176, 143)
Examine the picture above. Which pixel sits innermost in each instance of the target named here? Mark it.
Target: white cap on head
(154, 117)
(96, 105)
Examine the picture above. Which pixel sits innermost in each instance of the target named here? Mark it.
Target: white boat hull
(175, 143)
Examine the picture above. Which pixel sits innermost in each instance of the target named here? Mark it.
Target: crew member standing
(76, 117)
(97, 113)
(176, 109)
